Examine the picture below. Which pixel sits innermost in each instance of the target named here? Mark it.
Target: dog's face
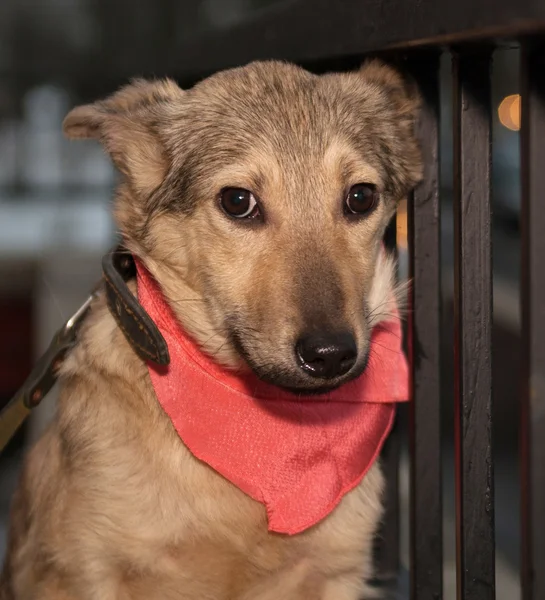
(259, 199)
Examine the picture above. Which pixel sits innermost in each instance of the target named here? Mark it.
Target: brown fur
(111, 504)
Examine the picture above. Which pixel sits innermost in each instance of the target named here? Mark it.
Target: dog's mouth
(293, 379)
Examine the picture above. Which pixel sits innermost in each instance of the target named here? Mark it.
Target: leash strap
(42, 377)
(118, 267)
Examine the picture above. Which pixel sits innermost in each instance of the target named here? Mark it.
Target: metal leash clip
(43, 376)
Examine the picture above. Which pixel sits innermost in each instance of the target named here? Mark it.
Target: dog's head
(259, 199)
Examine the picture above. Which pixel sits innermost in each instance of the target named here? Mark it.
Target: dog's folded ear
(400, 87)
(126, 125)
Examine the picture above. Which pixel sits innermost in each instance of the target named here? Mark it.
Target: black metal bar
(387, 547)
(426, 540)
(533, 321)
(318, 30)
(473, 326)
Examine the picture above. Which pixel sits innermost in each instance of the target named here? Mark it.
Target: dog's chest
(201, 534)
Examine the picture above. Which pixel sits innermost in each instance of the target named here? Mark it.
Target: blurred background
(55, 222)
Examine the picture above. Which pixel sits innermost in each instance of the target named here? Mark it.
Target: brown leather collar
(118, 267)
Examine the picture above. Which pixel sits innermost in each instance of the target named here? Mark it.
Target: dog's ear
(396, 98)
(126, 125)
(401, 89)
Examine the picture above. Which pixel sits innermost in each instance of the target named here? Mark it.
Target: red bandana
(298, 456)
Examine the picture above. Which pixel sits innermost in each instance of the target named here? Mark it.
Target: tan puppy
(112, 505)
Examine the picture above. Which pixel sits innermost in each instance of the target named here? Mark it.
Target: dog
(257, 200)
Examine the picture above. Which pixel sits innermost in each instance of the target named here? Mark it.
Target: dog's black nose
(327, 355)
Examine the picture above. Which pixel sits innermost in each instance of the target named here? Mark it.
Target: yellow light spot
(401, 224)
(509, 112)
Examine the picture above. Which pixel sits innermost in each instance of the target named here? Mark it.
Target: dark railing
(473, 325)
(424, 345)
(322, 35)
(533, 320)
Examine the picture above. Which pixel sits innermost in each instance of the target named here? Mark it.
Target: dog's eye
(361, 199)
(239, 203)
